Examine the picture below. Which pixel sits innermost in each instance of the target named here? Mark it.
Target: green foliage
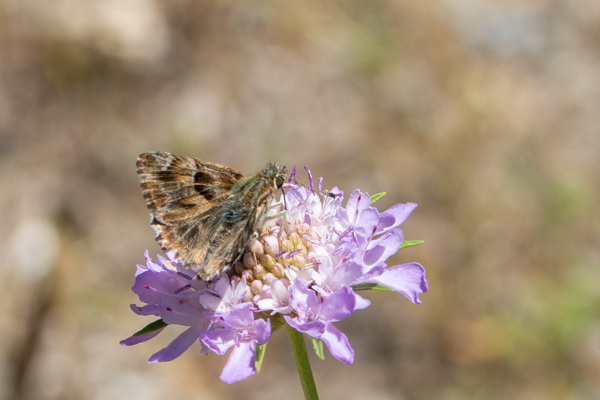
(377, 196)
(371, 286)
(317, 345)
(259, 355)
(151, 327)
(411, 243)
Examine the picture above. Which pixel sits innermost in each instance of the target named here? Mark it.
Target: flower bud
(256, 287)
(278, 270)
(271, 245)
(259, 271)
(249, 260)
(267, 261)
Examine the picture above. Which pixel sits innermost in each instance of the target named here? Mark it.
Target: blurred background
(484, 112)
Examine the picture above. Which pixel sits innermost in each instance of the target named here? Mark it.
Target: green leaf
(371, 286)
(410, 243)
(317, 345)
(259, 355)
(377, 196)
(151, 327)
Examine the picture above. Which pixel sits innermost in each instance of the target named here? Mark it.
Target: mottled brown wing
(184, 196)
(241, 216)
(231, 237)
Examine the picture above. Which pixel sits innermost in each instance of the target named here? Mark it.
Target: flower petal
(338, 344)
(357, 203)
(240, 364)
(262, 330)
(302, 299)
(367, 222)
(361, 302)
(408, 279)
(148, 309)
(176, 347)
(381, 248)
(339, 306)
(346, 274)
(136, 339)
(181, 312)
(312, 328)
(219, 340)
(394, 216)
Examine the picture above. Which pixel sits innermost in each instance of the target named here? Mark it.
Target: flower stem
(302, 363)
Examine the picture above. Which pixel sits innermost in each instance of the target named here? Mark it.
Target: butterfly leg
(280, 214)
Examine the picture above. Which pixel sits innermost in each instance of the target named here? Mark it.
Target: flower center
(278, 256)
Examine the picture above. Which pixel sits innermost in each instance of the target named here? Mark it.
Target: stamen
(276, 256)
(306, 237)
(293, 253)
(293, 174)
(181, 289)
(184, 276)
(310, 179)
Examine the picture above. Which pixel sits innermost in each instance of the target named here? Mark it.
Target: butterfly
(207, 214)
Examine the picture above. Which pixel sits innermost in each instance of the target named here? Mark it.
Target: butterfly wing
(185, 196)
(240, 218)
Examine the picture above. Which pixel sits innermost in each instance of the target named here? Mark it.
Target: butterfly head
(275, 174)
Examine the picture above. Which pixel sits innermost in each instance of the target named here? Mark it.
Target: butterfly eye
(279, 181)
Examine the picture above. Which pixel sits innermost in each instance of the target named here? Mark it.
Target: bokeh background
(485, 112)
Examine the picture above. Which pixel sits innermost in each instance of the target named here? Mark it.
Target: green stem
(302, 363)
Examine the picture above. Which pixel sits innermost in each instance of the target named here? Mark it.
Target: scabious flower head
(303, 271)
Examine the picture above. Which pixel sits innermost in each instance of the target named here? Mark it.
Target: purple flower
(169, 292)
(315, 317)
(304, 269)
(242, 332)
